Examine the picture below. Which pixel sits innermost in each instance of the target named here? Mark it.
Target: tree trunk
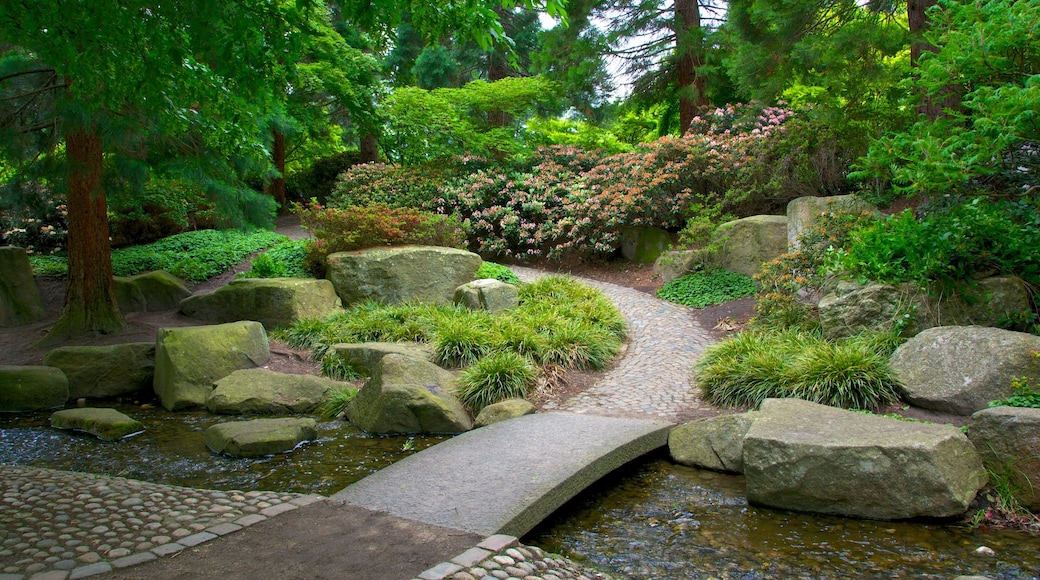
(689, 53)
(90, 302)
(916, 11)
(369, 148)
(498, 69)
(276, 188)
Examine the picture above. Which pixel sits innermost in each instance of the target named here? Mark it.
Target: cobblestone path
(652, 379)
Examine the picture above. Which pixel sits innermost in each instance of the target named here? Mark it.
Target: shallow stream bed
(651, 520)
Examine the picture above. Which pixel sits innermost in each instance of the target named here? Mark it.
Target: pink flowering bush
(39, 227)
(564, 200)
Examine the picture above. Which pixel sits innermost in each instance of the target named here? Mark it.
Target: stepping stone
(260, 437)
(105, 424)
(265, 392)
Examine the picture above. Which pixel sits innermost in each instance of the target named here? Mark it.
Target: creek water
(651, 519)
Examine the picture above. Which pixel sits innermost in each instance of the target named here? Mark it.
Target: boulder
(265, 392)
(960, 369)
(273, 302)
(20, 301)
(105, 424)
(809, 457)
(747, 243)
(97, 372)
(149, 292)
(1008, 439)
(716, 443)
(189, 360)
(805, 211)
(32, 388)
(408, 395)
(260, 437)
(677, 263)
(365, 356)
(851, 307)
(488, 294)
(503, 410)
(402, 274)
(643, 244)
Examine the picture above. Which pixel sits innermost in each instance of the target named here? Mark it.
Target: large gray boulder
(265, 392)
(716, 443)
(851, 307)
(806, 211)
(105, 424)
(260, 437)
(503, 411)
(808, 457)
(960, 369)
(29, 388)
(97, 372)
(747, 243)
(488, 294)
(20, 301)
(273, 302)
(644, 244)
(149, 292)
(402, 274)
(1008, 439)
(408, 395)
(365, 356)
(677, 263)
(189, 360)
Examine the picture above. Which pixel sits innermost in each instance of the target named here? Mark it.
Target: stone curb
(504, 557)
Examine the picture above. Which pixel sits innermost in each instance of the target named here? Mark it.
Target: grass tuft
(499, 376)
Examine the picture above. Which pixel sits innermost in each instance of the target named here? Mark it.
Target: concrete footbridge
(507, 477)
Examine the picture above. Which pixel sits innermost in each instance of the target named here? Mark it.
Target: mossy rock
(105, 371)
(273, 302)
(105, 424)
(20, 301)
(260, 437)
(32, 388)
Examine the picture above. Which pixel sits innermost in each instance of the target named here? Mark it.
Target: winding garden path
(652, 379)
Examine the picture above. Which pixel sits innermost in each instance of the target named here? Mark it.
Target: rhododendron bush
(565, 200)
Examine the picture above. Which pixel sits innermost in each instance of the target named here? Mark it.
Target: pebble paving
(653, 378)
(63, 525)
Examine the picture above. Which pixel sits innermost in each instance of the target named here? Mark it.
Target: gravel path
(652, 379)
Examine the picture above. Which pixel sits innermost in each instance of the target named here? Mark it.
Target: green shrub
(164, 207)
(192, 256)
(392, 185)
(953, 244)
(559, 321)
(702, 222)
(499, 376)
(356, 227)
(753, 366)
(497, 272)
(319, 179)
(336, 404)
(285, 260)
(701, 289)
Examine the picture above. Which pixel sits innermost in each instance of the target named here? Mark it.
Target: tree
(117, 68)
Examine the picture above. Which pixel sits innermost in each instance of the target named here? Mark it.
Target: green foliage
(338, 368)
(986, 76)
(949, 245)
(546, 132)
(336, 404)
(499, 376)
(192, 256)
(559, 322)
(284, 260)
(358, 227)
(497, 272)
(318, 179)
(753, 366)
(162, 208)
(1024, 394)
(412, 186)
(702, 222)
(701, 289)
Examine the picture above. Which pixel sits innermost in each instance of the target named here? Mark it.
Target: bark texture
(690, 56)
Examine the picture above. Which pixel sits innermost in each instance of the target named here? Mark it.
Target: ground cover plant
(559, 323)
(700, 289)
(192, 256)
(753, 366)
(497, 272)
(284, 260)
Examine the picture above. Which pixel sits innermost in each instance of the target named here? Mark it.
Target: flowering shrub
(358, 227)
(40, 231)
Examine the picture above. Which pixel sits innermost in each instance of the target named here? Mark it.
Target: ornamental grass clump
(754, 366)
(496, 377)
(462, 341)
(336, 404)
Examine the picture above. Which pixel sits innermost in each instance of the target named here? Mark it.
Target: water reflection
(665, 522)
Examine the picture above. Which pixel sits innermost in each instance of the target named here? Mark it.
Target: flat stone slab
(507, 477)
(105, 424)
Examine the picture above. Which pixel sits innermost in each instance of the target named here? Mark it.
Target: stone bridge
(507, 477)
